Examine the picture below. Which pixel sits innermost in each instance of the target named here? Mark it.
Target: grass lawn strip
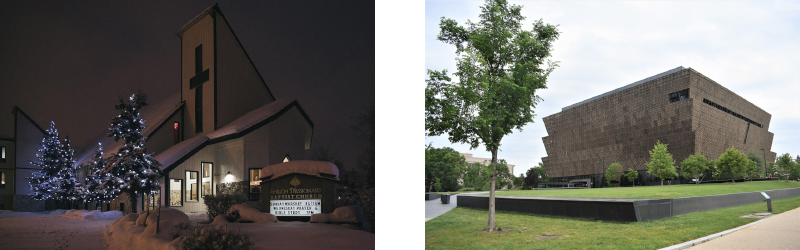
(659, 192)
(460, 229)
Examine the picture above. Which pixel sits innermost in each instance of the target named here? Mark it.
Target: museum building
(680, 107)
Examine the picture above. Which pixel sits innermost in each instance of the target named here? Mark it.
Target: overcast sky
(749, 47)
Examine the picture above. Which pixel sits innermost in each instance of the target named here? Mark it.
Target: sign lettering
(295, 207)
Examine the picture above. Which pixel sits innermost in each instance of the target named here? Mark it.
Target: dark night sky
(69, 62)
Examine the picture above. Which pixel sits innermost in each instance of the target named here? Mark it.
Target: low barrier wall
(432, 196)
(619, 209)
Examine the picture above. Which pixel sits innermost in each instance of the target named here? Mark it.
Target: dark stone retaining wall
(432, 196)
(619, 209)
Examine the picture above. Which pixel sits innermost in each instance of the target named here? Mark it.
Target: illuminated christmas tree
(131, 169)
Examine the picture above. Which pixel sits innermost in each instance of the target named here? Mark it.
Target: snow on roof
(176, 152)
(153, 116)
(251, 118)
(313, 168)
(179, 152)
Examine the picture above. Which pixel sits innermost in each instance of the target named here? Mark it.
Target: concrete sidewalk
(780, 231)
(434, 208)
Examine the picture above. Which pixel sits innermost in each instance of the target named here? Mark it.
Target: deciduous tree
(784, 165)
(661, 164)
(632, 175)
(695, 166)
(443, 168)
(499, 72)
(732, 163)
(613, 173)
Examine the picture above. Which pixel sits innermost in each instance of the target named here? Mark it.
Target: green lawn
(460, 229)
(674, 191)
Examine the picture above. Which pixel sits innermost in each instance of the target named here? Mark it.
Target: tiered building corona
(680, 107)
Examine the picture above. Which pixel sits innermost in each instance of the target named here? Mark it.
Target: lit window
(176, 192)
(177, 133)
(3, 179)
(192, 186)
(286, 159)
(2, 154)
(207, 178)
(255, 182)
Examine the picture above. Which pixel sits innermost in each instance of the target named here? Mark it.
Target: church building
(223, 126)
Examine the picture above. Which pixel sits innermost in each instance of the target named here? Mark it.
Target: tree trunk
(662, 181)
(133, 197)
(492, 181)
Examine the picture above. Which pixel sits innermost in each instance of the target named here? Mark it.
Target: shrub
(219, 204)
(466, 189)
(216, 238)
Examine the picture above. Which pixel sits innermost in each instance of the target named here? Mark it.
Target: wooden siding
(164, 137)
(28, 139)
(230, 157)
(201, 32)
(206, 154)
(287, 135)
(239, 87)
(256, 148)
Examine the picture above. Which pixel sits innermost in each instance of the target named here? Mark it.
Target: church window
(2, 179)
(255, 184)
(192, 186)
(177, 133)
(2, 154)
(207, 180)
(176, 193)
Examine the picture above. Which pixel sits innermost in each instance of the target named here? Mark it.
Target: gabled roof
(245, 124)
(154, 115)
(18, 110)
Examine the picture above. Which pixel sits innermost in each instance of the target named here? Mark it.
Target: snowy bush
(216, 238)
(221, 203)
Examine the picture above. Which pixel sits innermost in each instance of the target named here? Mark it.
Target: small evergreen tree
(95, 176)
(44, 182)
(661, 164)
(613, 173)
(632, 175)
(68, 173)
(132, 170)
(694, 166)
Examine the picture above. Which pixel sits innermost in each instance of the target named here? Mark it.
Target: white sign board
(295, 207)
(765, 195)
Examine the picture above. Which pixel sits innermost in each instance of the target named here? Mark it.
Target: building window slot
(677, 96)
(176, 193)
(192, 186)
(2, 154)
(207, 170)
(737, 115)
(177, 133)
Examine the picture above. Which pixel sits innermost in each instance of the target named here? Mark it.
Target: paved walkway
(781, 231)
(434, 208)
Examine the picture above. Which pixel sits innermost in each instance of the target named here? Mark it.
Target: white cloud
(750, 47)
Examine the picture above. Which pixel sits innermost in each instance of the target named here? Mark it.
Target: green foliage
(785, 166)
(503, 175)
(755, 156)
(632, 175)
(472, 177)
(221, 203)
(795, 173)
(733, 163)
(536, 175)
(443, 168)
(613, 173)
(661, 164)
(518, 182)
(499, 72)
(209, 237)
(694, 167)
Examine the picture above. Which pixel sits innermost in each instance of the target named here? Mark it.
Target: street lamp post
(765, 162)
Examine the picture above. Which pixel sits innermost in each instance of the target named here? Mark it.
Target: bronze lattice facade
(680, 107)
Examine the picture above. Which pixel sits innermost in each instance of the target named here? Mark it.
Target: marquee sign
(295, 207)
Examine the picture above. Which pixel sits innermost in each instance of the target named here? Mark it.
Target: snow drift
(91, 215)
(138, 231)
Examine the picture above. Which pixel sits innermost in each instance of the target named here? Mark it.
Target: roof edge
(662, 74)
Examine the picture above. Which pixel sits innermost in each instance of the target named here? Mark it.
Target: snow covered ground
(26, 230)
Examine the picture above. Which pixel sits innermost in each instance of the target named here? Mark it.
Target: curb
(695, 242)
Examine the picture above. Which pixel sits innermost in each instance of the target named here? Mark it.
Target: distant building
(680, 107)
(471, 160)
